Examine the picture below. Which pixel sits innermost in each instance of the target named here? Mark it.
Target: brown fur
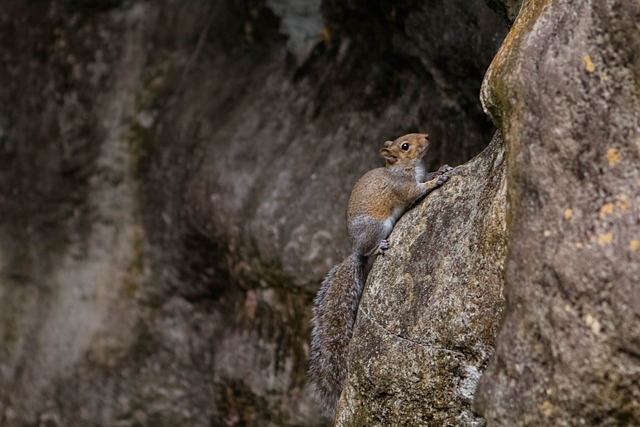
(378, 191)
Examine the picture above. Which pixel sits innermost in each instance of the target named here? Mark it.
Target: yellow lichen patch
(567, 308)
(589, 64)
(634, 245)
(579, 245)
(604, 77)
(606, 209)
(592, 323)
(613, 156)
(547, 233)
(588, 319)
(549, 391)
(546, 408)
(622, 201)
(638, 144)
(605, 239)
(568, 214)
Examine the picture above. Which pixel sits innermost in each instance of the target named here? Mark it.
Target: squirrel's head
(405, 150)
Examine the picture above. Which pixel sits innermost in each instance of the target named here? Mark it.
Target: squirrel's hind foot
(383, 246)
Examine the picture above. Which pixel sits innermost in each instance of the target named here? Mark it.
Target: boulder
(565, 91)
(432, 305)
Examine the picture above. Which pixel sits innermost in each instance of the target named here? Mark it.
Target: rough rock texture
(431, 307)
(173, 177)
(565, 90)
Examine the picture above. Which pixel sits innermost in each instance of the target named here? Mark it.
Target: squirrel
(377, 201)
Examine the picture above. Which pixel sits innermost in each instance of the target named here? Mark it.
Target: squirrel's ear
(388, 155)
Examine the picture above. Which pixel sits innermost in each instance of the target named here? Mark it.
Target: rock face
(565, 90)
(431, 307)
(169, 176)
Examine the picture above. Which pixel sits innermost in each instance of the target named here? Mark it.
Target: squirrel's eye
(405, 146)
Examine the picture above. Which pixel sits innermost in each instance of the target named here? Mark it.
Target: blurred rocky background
(173, 180)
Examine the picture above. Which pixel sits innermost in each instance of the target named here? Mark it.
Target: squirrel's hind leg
(369, 235)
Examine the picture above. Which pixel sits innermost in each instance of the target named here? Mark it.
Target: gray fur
(334, 315)
(368, 234)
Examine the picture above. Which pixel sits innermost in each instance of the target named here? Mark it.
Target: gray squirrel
(377, 201)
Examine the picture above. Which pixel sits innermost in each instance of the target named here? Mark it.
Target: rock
(431, 307)
(564, 89)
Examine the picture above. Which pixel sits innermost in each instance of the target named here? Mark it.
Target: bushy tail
(334, 315)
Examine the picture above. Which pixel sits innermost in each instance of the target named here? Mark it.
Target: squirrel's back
(371, 194)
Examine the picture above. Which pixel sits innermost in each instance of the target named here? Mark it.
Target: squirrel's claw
(445, 169)
(442, 179)
(383, 246)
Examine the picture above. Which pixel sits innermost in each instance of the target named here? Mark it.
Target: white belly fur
(392, 219)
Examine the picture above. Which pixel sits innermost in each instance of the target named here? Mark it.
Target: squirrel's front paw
(441, 171)
(445, 169)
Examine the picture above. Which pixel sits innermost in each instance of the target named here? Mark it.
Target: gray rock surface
(565, 90)
(169, 176)
(431, 307)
